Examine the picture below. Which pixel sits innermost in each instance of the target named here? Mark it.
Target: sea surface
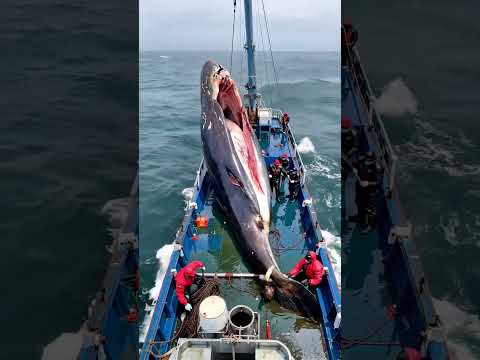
(170, 145)
(69, 143)
(425, 75)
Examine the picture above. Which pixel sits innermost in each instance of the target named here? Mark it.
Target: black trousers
(275, 187)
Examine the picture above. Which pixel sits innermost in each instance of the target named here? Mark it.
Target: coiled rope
(279, 247)
(189, 326)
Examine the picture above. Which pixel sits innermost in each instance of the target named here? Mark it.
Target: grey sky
(305, 25)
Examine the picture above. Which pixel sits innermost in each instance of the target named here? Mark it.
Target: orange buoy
(201, 222)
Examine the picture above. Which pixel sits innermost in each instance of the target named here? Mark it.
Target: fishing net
(189, 326)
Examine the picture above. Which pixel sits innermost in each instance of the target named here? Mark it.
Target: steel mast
(251, 85)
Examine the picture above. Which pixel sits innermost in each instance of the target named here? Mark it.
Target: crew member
(348, 137)
(368, 172)
(184, 279)
(275, 174)
(349, 140)
(293, 184)
(285, 162)
(285, 120)
(132, 316)
(309, 270)
(349, 38)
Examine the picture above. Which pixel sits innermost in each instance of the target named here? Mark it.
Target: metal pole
(252, 82)
(227, 275)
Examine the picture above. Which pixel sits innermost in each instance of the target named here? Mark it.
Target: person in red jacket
(309, 270)
(184, 279)
(349, 37)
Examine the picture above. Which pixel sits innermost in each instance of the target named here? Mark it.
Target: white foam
(449, 229)
(188, 193)
(333, 246)
(324, 167)
(163, 256)
(66, 346)
(461, 328)
(396, 99)
(188, 196)
(117, 211)
(306, 146)
(435, 149)
(333, 79)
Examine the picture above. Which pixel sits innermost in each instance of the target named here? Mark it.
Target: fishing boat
(111, 329)
(384, 287)
(234, 322)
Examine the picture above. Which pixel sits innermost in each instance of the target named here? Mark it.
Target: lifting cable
(233, 36)
(270, 45)
(260, 27)
(242, 44)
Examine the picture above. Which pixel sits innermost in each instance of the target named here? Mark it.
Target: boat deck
(382, 267)
(296, 223)
(364, 287)
(216, 249)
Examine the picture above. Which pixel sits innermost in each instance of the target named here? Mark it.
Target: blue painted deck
(377, 273)
(217, 250)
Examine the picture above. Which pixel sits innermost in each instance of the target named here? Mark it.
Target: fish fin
(292, 295)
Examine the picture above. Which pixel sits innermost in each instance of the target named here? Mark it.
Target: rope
(270, 44)
(230, 283)
(281, 248)
(233, 35)
(257, 30)
(189, 326)
(348, 343)
(259, 25)
(163, 356)
(241, 43)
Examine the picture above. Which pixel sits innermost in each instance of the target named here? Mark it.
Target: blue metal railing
(374, 120)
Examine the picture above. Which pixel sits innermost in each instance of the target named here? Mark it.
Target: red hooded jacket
(412, 354)
(313, 271)
(183, 282)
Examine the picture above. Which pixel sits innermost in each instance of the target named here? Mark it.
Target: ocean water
(427, 90)
(69, 140)
(170, 145)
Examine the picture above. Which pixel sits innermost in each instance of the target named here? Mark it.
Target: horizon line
(235, 51)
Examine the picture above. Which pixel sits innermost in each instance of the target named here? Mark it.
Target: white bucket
(213, 314)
